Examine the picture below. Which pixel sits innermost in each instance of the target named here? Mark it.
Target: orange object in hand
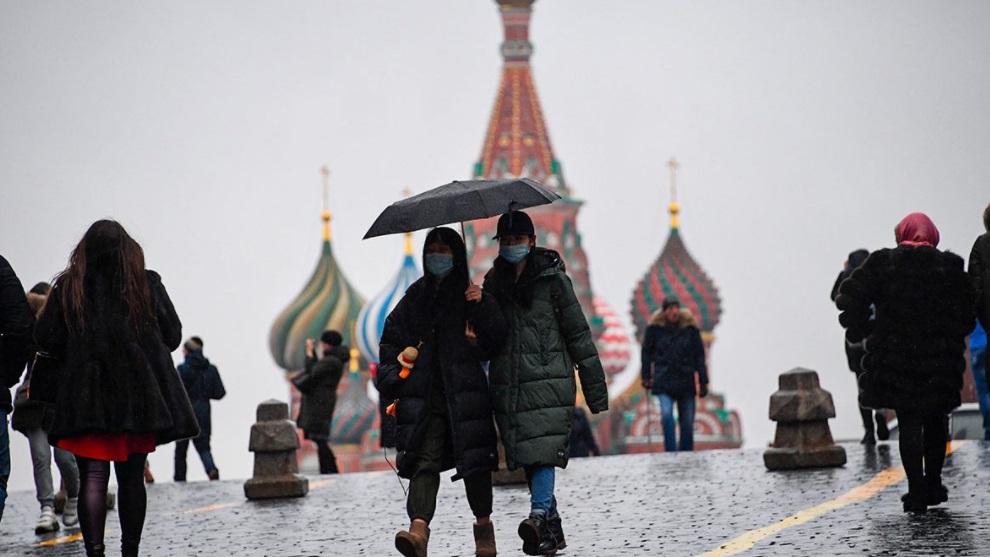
(391, 408)
(407, 359)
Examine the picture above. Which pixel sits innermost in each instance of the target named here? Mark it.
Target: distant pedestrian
(978, 366)
(854, 358)
(673, 367)
(318, 386)
(532, 376)
(202, 382)
(16, 325)
(431, 351)
(979, 274)
(582, 436)
(110, 325)
(913, 305)
(33, 418)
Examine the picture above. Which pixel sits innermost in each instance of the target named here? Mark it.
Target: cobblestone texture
(665, 504)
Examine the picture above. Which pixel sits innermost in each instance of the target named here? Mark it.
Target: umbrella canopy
(460, 201)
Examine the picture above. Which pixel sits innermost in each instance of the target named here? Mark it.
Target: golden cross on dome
(325, 171)
(674, 208)
(406, 192)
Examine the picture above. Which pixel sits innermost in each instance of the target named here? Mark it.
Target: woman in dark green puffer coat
(532, 377)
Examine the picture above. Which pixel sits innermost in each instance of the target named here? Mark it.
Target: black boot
(883, 432)
(553, 541)
(532, 531)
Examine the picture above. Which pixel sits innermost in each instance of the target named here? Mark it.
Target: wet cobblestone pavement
(714, 503)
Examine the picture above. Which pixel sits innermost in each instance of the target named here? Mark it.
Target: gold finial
(674, 208)
(325, 171)
(409, 246)
(355, 365)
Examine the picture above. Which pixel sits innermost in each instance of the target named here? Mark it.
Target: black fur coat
(115, 378)
(914, 306)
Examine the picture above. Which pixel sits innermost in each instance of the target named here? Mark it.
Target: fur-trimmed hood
(684, 319)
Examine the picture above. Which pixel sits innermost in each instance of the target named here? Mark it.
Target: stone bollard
(274, 443)
(801, 409)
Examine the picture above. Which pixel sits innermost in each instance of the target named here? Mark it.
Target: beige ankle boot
(413, 543)
(484, 540)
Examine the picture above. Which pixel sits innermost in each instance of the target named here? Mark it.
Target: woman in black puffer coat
(915, 345)
(442, 408)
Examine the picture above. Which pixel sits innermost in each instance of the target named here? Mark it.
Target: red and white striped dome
(613, 345)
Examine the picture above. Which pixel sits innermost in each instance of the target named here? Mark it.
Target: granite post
(802, 409)
(274, 443)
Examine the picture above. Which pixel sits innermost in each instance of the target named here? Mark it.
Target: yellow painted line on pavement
(66, 539)
(209, 508)
(320, 483)
(881, 481)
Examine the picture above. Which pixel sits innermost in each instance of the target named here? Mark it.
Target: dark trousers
(922, 437)
(328, 462)
(425, 483)
(202, 445)
(94, 476)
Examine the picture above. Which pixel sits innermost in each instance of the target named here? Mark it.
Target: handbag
(43, 386)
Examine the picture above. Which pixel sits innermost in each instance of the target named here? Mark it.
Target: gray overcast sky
(804, 130)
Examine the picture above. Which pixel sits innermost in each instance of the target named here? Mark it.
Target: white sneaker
(46, 522)
(70, 516)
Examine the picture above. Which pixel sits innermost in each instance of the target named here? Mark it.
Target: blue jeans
(978, 359)
(541, 499)
(685, 418)
(202, 445)
(4, 462)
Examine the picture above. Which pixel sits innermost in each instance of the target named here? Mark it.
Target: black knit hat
(332, 338)
(515, 223)
(671, 301)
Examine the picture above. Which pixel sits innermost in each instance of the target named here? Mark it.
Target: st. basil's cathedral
(516, 145)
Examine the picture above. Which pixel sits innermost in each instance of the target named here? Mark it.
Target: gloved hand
(703, 392)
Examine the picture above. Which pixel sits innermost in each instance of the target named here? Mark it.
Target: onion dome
(676, 273)
(614, 343)
(371, 319)
(326, 302)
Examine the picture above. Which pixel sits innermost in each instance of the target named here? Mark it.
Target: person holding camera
(318, 386)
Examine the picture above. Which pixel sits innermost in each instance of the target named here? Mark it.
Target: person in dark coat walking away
(854, 357)
(33, 418)
(532, 377)
(111, 326)
(318, 386)
(431, 353)
(16, 325)
(582, 437)
(202, 382)
(672, 355)
(913, 305)
(979, 274)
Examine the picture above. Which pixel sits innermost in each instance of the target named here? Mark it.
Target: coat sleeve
(577, 337)
(168, 320)
(16, 326)
(977, 272)
(486, 317)
(646, 354)
(217, 390)
(51, 333)
(394, 340)
(857, 295)
(699, 350)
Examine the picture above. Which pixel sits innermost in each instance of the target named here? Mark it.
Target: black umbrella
(459, 202)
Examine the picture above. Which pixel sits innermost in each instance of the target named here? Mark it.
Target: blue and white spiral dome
(371, 319)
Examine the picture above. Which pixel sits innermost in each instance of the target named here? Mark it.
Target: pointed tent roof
(326, 302)
(517, 143)
(676, 273)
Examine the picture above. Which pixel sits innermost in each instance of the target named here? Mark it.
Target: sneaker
(70, 515)
(532, 531)
(46, 522)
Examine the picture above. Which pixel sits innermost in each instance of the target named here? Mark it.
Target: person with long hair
(432, 349)
(111, 326)
(914, 306)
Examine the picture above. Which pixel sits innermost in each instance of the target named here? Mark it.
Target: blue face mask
(514, 254)
(439, 264)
